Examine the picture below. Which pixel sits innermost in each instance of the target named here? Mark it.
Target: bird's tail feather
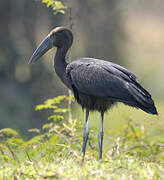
(143, 99)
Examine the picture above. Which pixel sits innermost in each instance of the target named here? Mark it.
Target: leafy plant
(56, 5)
(58, 131)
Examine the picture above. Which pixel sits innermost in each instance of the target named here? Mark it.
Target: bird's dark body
(96, 84)
(93, 103)
(99, 84)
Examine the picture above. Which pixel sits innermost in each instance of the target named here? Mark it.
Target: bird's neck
(60, 64)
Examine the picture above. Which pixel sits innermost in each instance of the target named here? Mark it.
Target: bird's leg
(100, 136)
(86, 133)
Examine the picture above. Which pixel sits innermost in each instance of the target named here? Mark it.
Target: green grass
(121, 167)
(133, 148)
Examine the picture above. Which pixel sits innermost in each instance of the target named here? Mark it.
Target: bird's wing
(105, 79)
(127, 76)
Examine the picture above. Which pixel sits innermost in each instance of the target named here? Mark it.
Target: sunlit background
(129, 32)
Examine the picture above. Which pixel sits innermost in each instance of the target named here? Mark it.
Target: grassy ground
(133, 148)
(121, 167)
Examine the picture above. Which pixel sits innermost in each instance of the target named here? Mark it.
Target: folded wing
(105, 79)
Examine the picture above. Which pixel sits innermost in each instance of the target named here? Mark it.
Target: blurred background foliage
(126, 32)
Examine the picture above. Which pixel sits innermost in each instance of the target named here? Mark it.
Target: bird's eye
(53, 35)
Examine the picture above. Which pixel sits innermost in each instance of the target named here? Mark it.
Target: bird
(96, 84)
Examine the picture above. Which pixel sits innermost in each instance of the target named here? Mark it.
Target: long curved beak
(44, 46)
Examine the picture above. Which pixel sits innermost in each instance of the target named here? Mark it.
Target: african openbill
(96, 84)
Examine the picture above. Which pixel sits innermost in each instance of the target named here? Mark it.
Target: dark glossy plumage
(96, 84)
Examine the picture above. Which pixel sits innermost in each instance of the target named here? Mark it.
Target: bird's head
(58, 37)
